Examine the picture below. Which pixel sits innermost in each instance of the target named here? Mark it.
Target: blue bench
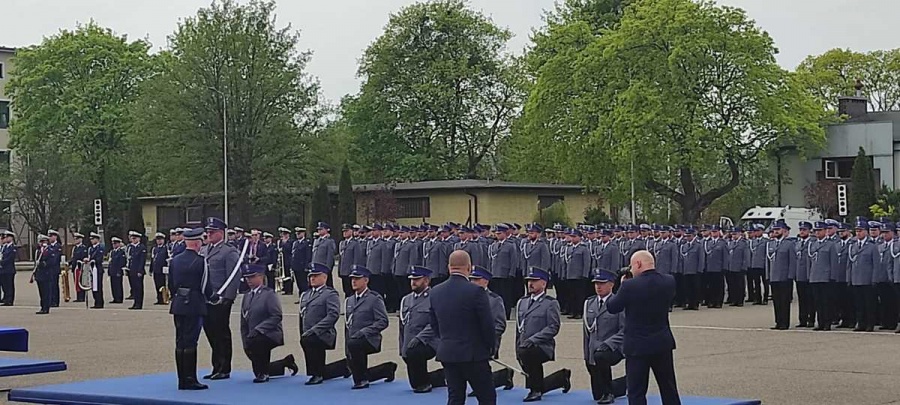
(13, 339)
(160, 389)
(12, 366)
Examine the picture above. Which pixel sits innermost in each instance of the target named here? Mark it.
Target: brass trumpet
(64, 283)
(166, 296)
(282, 272)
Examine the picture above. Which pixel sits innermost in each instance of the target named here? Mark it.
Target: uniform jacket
(138, 259)
(645, 300)
(462, 319)
(607, 256)
(221, 260)
(323, 251)
(319, 312)
(498, 311)
(404, 251)
(578, 262)
(894, 252)
(716, 255)
(79, 252)
(537, 323)
(54, 256)
(602, 329)
(96, 253)
(864, 258)
(159, 258)
(843, 251)
(823, 257)
(757, 247)
(352, 252)
(186, 273)
(802, 246)
(387, 256)
(415, 322)
(8, 261)
(374, 253)
(117, 261)
(366, 318)
(178, 247)
(301, 256)
(782, 257)
(504, 259)
(436, 256)
(632, 246)
(475, 251)
(261, 315)
(738, 255)
(536, 254)
(666, 253)
(883, 273)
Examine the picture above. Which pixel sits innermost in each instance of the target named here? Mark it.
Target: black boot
(189, 371)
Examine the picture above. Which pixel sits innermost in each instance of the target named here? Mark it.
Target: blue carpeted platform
(158, 389)
(10, 366)
(13, 339)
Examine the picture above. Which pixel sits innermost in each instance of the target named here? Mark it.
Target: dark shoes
(509, 379)
(314, 380)
(291, 364)
(186, 364)
(567, 381)
(423, 389)
(606, 399)
(217, 376)
(42, 312)
(261, 378)
(361, 385)
(533, 396)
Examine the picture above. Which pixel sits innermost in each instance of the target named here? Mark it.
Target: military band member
(158, 260)
(324, 249)
(301, 257)
(177, 241)
(823, 256)
(418, 342)
(578, 272)
(716, 251)
(757, 271)
(8, 270)
(284, 249)
(883, 279)
(738, 262)
(482, 278)
(805, 301)
(604, 334)
(79, 252)
(366, 319)
(223, 264)
(117, 262)
(537, 324)
(55, 250)
(320, 308)
(693, 261)
(240, 239)
(94, 261)
(261, 329)
(503, 264)
(782, 256)
(271, 258)
(43, 274)
(137, 259)
(188, 306)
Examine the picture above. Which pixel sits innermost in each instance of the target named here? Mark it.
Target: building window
(416, 207)
(545, 201)
(1, 70)
(4, 114)
(4, 162)
(835, 169)
(193, 214)
(168, 217)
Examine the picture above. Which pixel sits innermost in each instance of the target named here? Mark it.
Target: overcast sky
(337, 31)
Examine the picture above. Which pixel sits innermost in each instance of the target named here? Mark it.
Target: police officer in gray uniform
(223, 264)
(366, 319)
(482, 277)
(805, 302)
(823, 257)
(324, 249)
(693, 261)
(782, 255)
(418, 342)
(607, 253)
(320, 308)
(188, 305)
(604, 334)
(844, 312)
(578, 272)
(883, 279)
(716, 262)
(757, 271)
(503, 264)
(738, 263)
(535, 252)
(863, 258)
(351, 252)
(537, 324)
(374, 260)
(405, 253)
(261, 329)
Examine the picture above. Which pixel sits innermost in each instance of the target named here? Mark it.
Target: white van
(790, 215)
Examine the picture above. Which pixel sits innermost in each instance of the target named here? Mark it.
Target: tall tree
(321, 205)
(231, 75)
(862, 191)
(835, 73)
(346, 202)
(678, 100)
(71, 96)
(438, 94)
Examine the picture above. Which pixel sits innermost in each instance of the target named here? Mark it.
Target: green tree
(231, 66)
(321, 205)
(862, 191)
(835, 73)
(679, 99)
(71, 95)
(346, 202)
(438, 95)
(556, 213)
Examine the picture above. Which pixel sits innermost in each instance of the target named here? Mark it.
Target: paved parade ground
(722, 353)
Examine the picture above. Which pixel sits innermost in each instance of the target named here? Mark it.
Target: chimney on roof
(855, 106)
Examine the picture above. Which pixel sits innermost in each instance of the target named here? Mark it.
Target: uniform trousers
(358, 351)
(559, 285)
(844, 304)
(736, 287)
(288, 285)
(54, 288)
(347, 287)
(137, 289)
(45, 291)
(601, 372)
(314, 354)
(691, 290)
(115, 284)
(330, 281)
(391, 293)
(259, 350)
(865, 301)
(822, 296)
(8, 288)
(754, 284)
(477, 374)
(887, 300)
(532, 360)
(679, 289)
(782, 292)
(159, 280)
(376, 283)
(270, 279)
(79, 293)
(417, 367)
(217, 327)
(806, 303)
(503, 288)
(715, 288)
(579, 291)
(637, 372)
(187, 331)
(403, 288)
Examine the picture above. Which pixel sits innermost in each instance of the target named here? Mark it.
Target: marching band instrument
(64, 282)
(166, 295)
(85, 279)
(127, 260)
(37, 261)
(282, 272)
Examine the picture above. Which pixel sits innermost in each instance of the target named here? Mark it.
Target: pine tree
(346, 202)
(862, 191)
(321, 205)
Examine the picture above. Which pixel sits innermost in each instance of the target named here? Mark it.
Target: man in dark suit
(462, 320)
(648, 339)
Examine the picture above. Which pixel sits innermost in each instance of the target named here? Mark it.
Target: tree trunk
(691, 200)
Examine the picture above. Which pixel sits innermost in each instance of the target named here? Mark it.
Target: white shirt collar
(537, 297)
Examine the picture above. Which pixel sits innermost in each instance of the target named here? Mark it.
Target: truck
(767, 215)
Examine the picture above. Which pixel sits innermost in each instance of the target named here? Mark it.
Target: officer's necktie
(531, 302)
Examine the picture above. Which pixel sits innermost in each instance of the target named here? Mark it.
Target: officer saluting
(320, 308)
(418, 342)
(537, 326)
(604, 334)
(366, 318)
(261, 329)
(222, 263)
(188, 306)
(481, 277)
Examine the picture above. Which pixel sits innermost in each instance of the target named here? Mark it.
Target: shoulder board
(791, 238)
(547, 297)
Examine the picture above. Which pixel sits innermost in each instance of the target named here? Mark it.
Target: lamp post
(224, 146)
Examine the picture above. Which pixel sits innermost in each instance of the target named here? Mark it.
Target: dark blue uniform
(8, 273)
(79, 252)
(158, 260)
(117, 261)
(54, 253)
(95, 261)
(285, 248)
(136, 261)
(648, 339)
(301, 254)
(186, 276)
(43, 276)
